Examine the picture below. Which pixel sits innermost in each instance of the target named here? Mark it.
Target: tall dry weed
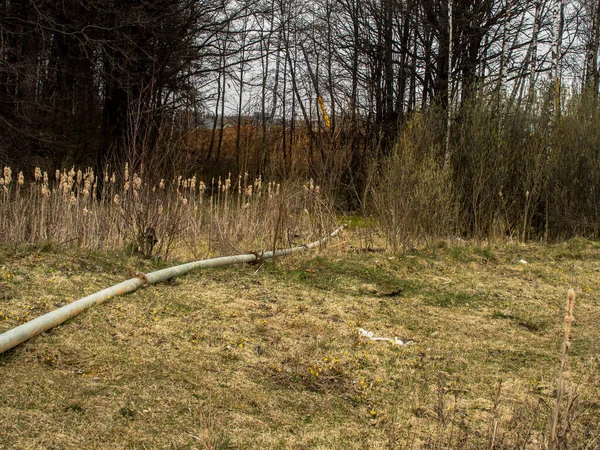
(127, 212)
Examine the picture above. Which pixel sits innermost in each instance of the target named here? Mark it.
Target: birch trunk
(531, 64)
(592, 57)
(503, 76)
(557, 12)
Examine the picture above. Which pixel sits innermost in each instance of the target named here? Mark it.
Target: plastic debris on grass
(371, 336)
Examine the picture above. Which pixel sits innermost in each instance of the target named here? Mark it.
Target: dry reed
(555, 431)
(130, 213)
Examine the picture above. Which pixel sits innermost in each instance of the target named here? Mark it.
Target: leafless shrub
(414, 198)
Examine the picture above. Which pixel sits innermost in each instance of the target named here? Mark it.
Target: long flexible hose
(52, 319)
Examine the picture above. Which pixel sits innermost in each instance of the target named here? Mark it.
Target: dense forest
(479, 117)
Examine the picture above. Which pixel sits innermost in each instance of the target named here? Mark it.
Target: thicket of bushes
(513, 173)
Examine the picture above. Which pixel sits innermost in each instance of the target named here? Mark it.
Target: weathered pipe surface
(43, 323)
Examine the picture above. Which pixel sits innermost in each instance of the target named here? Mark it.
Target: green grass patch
(528, 324)
(452, 299)
(354, 276)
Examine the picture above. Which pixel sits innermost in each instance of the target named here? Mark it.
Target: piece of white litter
(522, 261)
(371, 336)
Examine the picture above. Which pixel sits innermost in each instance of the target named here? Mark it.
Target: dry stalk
(560, 388)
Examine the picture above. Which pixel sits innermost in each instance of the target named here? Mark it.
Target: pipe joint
(259, 258)
(143, 278)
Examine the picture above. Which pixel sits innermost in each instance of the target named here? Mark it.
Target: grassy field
(270, 357)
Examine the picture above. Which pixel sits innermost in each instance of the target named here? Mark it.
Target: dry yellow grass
(270, 357)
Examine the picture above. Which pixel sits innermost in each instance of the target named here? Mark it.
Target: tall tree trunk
(592, 73)
(557, 16)
(412, 91)
(449, 87)
(557, 13)
(353, 175)
(222, 114)
(215, 121)
(275, 98)
(388, 77)
(404, 69)
(238, 136)
(534, 49)
(284, 116)
(330, 74)
(261, 158)
(503, 76)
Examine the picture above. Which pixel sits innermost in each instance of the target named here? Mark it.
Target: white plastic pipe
(52, 319)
